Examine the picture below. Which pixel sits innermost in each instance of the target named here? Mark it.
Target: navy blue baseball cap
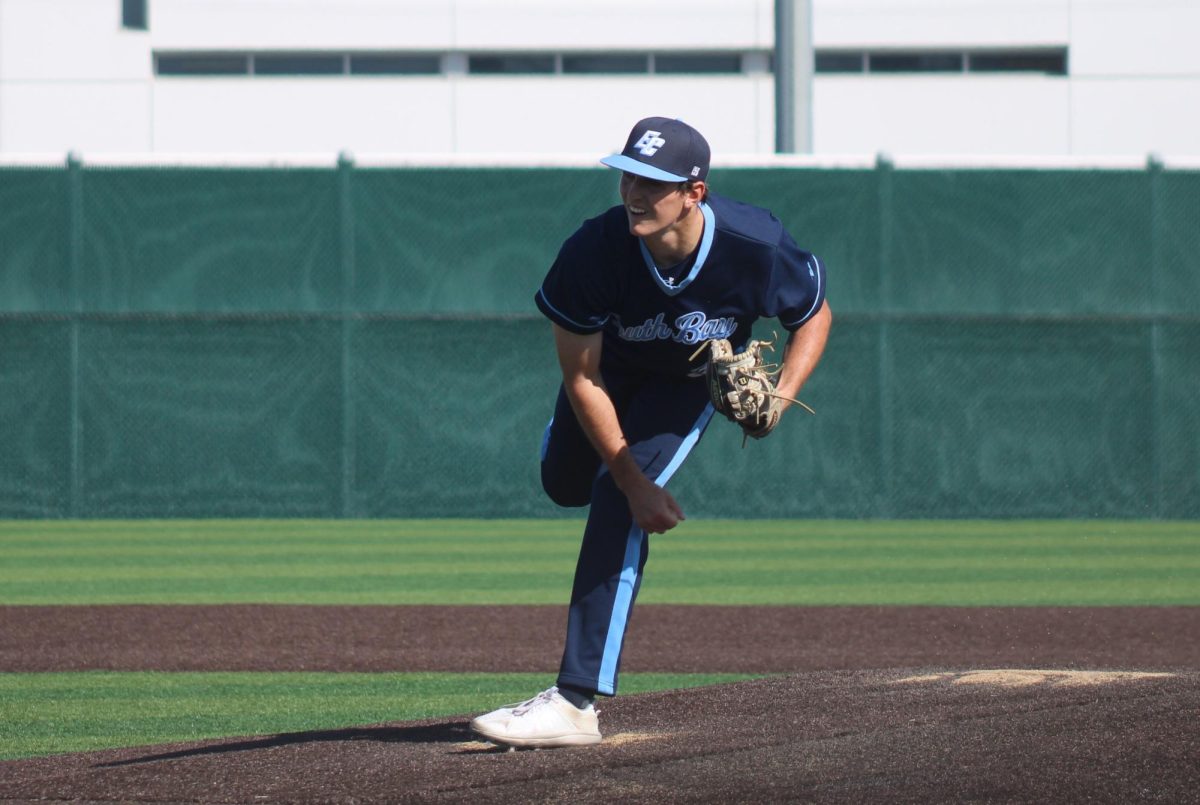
(663, 149)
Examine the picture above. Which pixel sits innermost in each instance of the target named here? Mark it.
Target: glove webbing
(749, 359)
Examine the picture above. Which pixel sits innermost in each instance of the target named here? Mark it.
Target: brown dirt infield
(875, 705)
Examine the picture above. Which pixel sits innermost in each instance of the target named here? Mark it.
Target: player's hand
(653, 508)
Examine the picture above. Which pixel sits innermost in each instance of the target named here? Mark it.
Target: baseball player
(631, 297)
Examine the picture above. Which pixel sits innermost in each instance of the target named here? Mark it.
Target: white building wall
(1149, 39)
(474, 24)
(72, 78)
(434, 115)
(940, 23)
(1135, 84)
(327, 115)
(616, 24)
(942, 115)
(291, 24)
(588, 115)
(1121, 116)
(69, 40)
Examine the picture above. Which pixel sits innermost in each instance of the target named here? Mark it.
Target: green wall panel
(1020, 242)
(1051, 420)
(35, 417)
(211, 240)
(34, 240)
(833, 213)
(449, 415)
(1177, 437)
(362, 342)
(1177, 249)
(197, 418)
(811, 466)
(459, 241)
(465, 241)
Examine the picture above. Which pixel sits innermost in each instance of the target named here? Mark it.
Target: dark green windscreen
(348, 342)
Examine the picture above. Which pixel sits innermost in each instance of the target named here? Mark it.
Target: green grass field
(984, 563)
(957, 563)
(43, 714)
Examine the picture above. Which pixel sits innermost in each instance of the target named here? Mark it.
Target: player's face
(651, 205)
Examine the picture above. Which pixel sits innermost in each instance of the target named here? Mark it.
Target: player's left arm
(803, 351)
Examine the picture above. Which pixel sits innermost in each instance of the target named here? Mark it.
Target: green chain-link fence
(362, 342)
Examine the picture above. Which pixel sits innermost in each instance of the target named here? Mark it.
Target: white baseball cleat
(546, 720)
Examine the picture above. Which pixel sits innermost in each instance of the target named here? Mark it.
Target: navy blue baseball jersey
(653, 318)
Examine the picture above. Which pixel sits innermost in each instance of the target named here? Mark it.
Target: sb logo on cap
(650, 143)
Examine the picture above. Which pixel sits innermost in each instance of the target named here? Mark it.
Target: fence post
(74, 178)
(884, 170)
(1154, 169)
(345, 314)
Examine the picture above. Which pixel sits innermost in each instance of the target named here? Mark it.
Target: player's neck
(672, 245)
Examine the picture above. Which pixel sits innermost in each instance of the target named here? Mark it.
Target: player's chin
(641, 225)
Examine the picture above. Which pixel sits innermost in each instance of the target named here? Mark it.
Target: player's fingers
(672, 504)
(676, 509)
(661, 523)
(669, 520)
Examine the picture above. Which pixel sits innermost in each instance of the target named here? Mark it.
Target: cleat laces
(529, 704)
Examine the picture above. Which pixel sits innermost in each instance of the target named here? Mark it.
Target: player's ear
(696, 191)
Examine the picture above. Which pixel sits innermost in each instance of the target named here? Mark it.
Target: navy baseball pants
(663, 419)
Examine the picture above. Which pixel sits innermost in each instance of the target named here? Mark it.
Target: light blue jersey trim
(623, 602)
(814, 269)
(565, 317)
(546, 438)
(706, 241)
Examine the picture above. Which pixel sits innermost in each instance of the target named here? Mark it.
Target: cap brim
(630, 165)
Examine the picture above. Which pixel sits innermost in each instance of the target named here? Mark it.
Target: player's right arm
(653, 508)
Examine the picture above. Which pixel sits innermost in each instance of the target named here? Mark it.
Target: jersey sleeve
(574, 294)
(797, 285)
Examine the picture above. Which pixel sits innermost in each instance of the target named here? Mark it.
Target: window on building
(384, 64)
(516, 63)
(202, 64)
(604, 63)
(1049, 62)
(1046, 61)
(133, 14)
(697, 62)
(839, 62)
(299, 64)
(916, 62)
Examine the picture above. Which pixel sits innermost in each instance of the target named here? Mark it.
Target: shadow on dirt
(431, 734)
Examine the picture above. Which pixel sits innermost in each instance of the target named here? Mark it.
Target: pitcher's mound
(922, 735)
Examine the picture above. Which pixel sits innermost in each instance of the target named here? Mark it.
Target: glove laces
(769, 369)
